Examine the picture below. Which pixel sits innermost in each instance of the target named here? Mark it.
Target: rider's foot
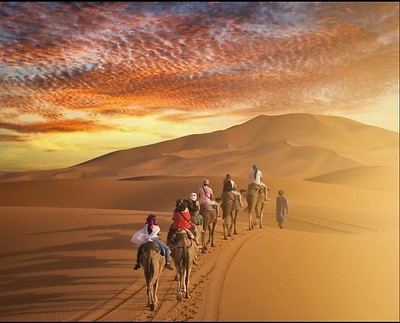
(137, 266)
(168, 266)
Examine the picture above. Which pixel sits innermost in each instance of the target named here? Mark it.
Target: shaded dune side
(152, 193)
(384, 178)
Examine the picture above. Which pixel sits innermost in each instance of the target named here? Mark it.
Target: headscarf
(151, 221)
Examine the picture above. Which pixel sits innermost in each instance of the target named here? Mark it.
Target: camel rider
(206, 197)
(230, 186)
(255, 176)
(194, 209)
(148, 233)
(182, 220)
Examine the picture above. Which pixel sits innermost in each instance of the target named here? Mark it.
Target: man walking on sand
(281, 208)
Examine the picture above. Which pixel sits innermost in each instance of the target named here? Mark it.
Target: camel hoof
(152, 307)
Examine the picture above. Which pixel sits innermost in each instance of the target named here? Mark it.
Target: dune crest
(317, 144)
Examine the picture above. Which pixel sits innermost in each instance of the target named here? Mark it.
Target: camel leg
(225, 229)
(210, 240)
(150, 294)
(206, 229)
(187, 281)
(205, 243)
(260, 215)
(250, 222)
(228, 216)
(155, 292)
(212, 233)
(179, 288)
(234, 222)
(203, 250)
(203, 240)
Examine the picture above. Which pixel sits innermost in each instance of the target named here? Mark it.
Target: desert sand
(65, 234)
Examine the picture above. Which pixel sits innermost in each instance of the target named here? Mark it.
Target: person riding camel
(206, 197)
(230, 186)
(182, 220)
(194, 209)
(148, 233)
(255, 176)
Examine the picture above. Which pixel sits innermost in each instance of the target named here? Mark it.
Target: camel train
(184, 250)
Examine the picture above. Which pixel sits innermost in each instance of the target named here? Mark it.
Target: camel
(183, 252)
(230, 209)
(209, 222)
(153, 263)
(255, 198)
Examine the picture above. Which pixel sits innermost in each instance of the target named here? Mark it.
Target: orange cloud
(72, 125)
(135, 59)
(13, 138)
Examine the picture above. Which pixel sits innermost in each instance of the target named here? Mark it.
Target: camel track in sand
(130, 304)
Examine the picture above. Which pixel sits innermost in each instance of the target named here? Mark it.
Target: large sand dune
(65, 234)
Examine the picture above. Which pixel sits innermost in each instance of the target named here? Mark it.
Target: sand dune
(316, 144)
(65, 233)
(373, 177)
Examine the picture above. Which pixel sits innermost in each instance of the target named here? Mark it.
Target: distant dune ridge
(65, 233)
(309, 147)
(290, 146)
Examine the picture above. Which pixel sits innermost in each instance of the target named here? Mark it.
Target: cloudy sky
(78, 80)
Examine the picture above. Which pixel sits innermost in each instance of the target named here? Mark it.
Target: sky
(82, 79)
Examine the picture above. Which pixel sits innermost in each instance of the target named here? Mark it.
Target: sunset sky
(79, 80)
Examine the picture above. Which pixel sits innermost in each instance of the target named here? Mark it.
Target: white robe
(142, 236)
